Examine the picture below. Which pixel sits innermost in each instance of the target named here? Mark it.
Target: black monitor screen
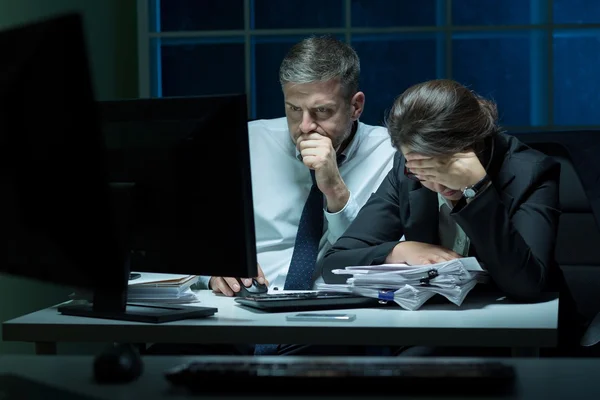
(180, 175)
(56, 223)
(92, 190)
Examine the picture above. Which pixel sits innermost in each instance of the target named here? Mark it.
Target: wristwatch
(471, 191)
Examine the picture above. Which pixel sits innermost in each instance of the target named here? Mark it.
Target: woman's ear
(357, 105)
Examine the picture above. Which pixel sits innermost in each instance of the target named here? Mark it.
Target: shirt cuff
(203, 282)
(338, 222)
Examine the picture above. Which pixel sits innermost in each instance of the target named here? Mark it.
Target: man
(320, 136)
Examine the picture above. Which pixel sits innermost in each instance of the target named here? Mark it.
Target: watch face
(469, 193)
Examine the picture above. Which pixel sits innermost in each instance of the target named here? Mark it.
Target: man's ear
(357, 105)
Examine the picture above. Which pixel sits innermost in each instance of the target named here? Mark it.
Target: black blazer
(512, 225)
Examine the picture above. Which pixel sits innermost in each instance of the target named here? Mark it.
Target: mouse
(120, 363)
(255, 288)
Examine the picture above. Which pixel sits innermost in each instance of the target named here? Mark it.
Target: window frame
(541, 56)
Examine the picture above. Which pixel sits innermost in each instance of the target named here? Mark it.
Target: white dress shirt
(281, 184)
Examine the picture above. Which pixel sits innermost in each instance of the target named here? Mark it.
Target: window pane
(576, 83)
(384, 13)
(277, 14)
(496, 12)
(267, 97)
(389, 65)
(202, 68)
(497, 67)
(194, 15)
(576, 11)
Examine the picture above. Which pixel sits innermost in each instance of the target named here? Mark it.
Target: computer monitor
(56, 223)
(62, 219)
(180, 173)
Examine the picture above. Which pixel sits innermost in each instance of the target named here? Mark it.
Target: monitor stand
(114, 305)
(154, 313)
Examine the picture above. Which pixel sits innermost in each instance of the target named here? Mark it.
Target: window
(536, 58)
(385, 74)
(499, 66)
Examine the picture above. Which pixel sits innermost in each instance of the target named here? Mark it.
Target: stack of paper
(162, 288)
(154, 288)
(411, 286)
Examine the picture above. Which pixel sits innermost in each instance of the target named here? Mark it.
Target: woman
(458, 187)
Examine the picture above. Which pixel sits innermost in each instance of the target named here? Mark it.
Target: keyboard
(343, 376)
(299, 301)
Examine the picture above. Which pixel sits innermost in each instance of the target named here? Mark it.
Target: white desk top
(481, 321)
(544, 378)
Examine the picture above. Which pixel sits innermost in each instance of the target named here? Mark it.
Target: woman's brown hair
(441, 117)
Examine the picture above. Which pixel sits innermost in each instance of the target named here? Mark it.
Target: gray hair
(321, 59)
(441, 117)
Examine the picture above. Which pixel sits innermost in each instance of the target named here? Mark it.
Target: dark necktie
(308, 237)
(306, 249)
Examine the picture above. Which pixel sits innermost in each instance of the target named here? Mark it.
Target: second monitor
(180, 184)
(179, 172)
(180, 175)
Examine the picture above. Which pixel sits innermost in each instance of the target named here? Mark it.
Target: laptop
(306, 301)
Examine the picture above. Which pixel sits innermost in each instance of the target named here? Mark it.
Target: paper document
(160, 279)
(160, 286)
(469, 263)
(187, 296)
(156, 288)
(410, 286)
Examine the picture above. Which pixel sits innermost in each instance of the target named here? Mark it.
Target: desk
(481, 321)
(542, 378)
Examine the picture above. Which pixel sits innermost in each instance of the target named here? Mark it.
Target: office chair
(578, 239)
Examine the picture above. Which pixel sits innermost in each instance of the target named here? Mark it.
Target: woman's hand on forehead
(416, 156)
(416, 160)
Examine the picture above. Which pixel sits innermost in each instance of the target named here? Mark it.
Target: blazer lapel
(423, 221)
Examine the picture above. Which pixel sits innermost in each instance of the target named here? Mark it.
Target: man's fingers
(312, 140)
(312, 152)
(234, 284)
(220, 286)
(311, 143)
(212, 283)
(261, 276)
(311, 162)
(311, 136)
(262, 280)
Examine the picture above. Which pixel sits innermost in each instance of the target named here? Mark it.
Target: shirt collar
(443, 201)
